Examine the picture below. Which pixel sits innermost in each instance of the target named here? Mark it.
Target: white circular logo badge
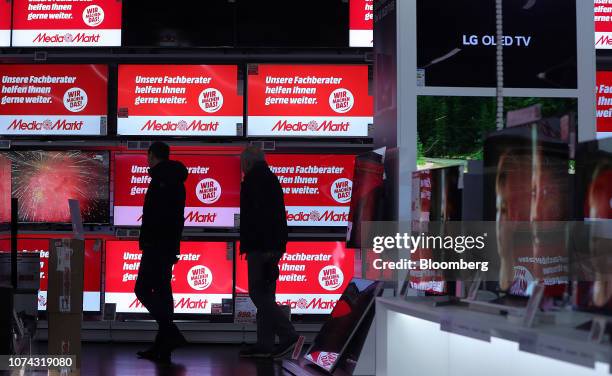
(208, 191)
(210, 100)
(75, 99)
(93, 15)
(199, 277)
(341, 100)
(341, 190)
(331, 278)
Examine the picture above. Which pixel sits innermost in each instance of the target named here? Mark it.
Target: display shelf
(194, 331)
(559, 340)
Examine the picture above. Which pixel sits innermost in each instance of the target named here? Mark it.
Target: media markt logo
(58, 38)
(183, 126)
(327, 126)
(46, 125)
(316, 216)
(313, 305)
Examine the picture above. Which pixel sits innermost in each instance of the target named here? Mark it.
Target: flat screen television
(528, 195)
(202, 280)
(317, 187)
(312, 275)
(329, 349)
(212, 189)
(456, 43)
(592, 260)
(44, 181)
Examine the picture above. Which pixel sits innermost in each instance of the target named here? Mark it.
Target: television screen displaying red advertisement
(317, 187)
(179, 100)
(592, 261)
(212, 187)
(201, 279)
(527, 193)
(44, 181)
(309, 100)
(53, 100)
(312, 275)
(366, 195)
(361, 23)
(93, 269)
(5, 23)
(66, 23)
(5, 188)
(604, 102)
(603, 24)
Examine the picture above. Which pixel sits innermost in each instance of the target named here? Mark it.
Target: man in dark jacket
(263, 237)
(160, 237)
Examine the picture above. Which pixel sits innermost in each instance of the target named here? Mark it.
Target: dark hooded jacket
(163, 214)
(263, 221)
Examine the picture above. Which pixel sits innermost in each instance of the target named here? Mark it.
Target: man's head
(158, 152)
(249, 157)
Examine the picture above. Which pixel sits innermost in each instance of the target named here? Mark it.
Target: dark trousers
(154, 290)
(271, 321)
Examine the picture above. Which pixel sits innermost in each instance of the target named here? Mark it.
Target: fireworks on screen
(43, 182)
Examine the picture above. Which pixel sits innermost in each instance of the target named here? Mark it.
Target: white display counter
(413, 337)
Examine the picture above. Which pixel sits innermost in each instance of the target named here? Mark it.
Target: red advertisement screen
(5, 23)
(317, 187)
(53, 100)
(179, 100)
(201, 278)
(604, 103)
(5, 189)
(44, 181)
(313, 275)
(93, 268)
(603, 25)
(309, 100)
(361, 23)
(66, 23)
(213, 189)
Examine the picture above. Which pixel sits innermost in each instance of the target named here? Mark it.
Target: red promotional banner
(5, 23)
(312, 277)
(317, 188)
(5, 189)
(66, 23)
(309, 100)
(201, 278)
(604, 104)
(93, 269)
(59, 100)
(603, 24)
(361, 23)
(179, 100)
(213, 189)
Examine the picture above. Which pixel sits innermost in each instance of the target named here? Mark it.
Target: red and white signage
(603, 24)
(202, 277)
(212, 187)
(317, 187)
(604, 104)
(53, 100)
(361, 23)
(66, 23)
(5, 23)
(312, 277)
(5, 189)
(93, 269)
(309, 100)
(179, 100)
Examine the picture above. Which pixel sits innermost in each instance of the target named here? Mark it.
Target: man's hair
(160, 150)
(250, 156)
